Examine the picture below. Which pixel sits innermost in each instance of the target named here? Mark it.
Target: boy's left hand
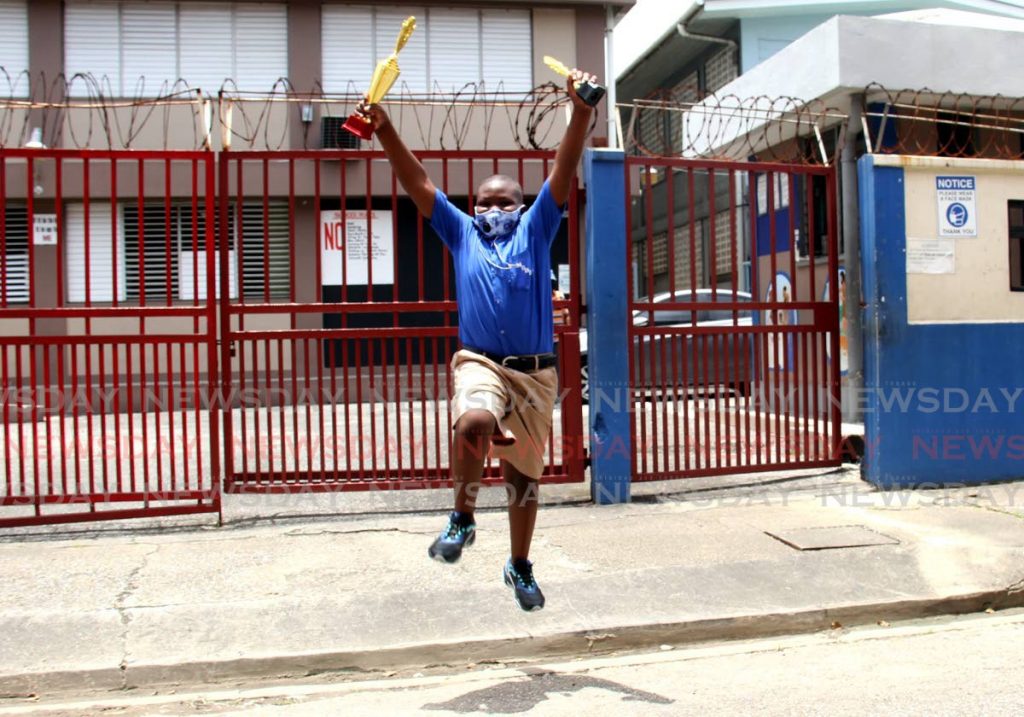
(575, 76)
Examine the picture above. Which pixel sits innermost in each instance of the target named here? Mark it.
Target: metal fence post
(611, 440)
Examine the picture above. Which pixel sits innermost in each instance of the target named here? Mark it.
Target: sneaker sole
(442, 559)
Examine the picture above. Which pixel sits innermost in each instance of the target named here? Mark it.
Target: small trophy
(590, 92)
(384, 77)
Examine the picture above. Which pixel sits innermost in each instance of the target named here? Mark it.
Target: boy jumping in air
(504, 374)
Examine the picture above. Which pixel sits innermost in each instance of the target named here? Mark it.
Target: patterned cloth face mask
(497, 223)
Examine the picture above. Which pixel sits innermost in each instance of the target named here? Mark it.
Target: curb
(589, 642)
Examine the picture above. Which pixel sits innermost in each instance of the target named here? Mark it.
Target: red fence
(339, 344)
(283, 321)
(736, 339)
(108, 345)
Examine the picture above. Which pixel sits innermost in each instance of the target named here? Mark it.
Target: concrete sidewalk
(289, 596)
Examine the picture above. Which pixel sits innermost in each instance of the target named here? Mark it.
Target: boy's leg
(470, 444)
(477, 402)
(471, 440)
(523, 499)
(479, 399)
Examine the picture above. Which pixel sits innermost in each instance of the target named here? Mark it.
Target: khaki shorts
(521, 403)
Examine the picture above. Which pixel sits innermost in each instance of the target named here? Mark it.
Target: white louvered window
(148, 270)
(348, 48)
(173, 246)
(266, 266)
(453, 39)
(261, 45)
(13, 47)
(173, 237)
(206, 47)
(14, 255)
(143, 49)
(507, 49)
(452, 47)
(413, 58)
(95, 283)
(92, 46)
(148, 48)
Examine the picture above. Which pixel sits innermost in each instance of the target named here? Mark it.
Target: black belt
(525, 364)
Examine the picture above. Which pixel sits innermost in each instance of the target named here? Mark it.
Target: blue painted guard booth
(944, 322)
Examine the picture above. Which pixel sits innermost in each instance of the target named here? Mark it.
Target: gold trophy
(590, 92)
(383, 79)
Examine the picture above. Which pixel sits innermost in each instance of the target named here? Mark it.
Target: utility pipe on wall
(851, 257)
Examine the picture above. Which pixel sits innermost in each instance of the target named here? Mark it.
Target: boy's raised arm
(571, 148)
(409, 171)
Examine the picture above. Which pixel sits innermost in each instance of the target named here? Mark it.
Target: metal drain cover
(831, 538)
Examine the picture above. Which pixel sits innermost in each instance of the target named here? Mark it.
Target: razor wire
(727, 126)
(83, 111)
(919, 122)
(925, 122)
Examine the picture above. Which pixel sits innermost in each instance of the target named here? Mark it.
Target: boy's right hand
(375, 114)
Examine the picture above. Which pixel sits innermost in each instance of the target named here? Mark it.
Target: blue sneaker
(520, 579)
(449, 544)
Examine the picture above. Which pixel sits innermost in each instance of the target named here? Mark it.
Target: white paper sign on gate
(44, 229)
(958, 215)
(349, 243)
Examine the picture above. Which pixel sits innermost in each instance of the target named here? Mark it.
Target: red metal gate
(108, 335)
(735, 361)
(338, 336)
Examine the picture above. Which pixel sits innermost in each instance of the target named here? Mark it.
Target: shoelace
(453, 530)
(525, 577)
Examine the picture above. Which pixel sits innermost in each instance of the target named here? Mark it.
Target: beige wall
(554, 33)
(979, 290)
(255, 125)
(436, 126)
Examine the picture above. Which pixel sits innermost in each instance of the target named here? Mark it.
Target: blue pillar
(611, 443)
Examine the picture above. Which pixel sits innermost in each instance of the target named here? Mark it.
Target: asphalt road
(972, 665)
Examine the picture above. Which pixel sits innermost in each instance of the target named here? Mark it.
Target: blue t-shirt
(503, 287)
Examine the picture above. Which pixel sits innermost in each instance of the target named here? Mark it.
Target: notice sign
(931, 256)
(349, 243)
(958, 216)
(44, 229)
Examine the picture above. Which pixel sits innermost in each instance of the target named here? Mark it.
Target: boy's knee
(522, 489)
(474, 424)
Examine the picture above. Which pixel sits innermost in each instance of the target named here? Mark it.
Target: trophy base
(359, 126)
(590, 92)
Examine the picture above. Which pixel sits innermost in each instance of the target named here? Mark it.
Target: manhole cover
(831, 538)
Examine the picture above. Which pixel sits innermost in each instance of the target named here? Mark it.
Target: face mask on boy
(497, 223)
